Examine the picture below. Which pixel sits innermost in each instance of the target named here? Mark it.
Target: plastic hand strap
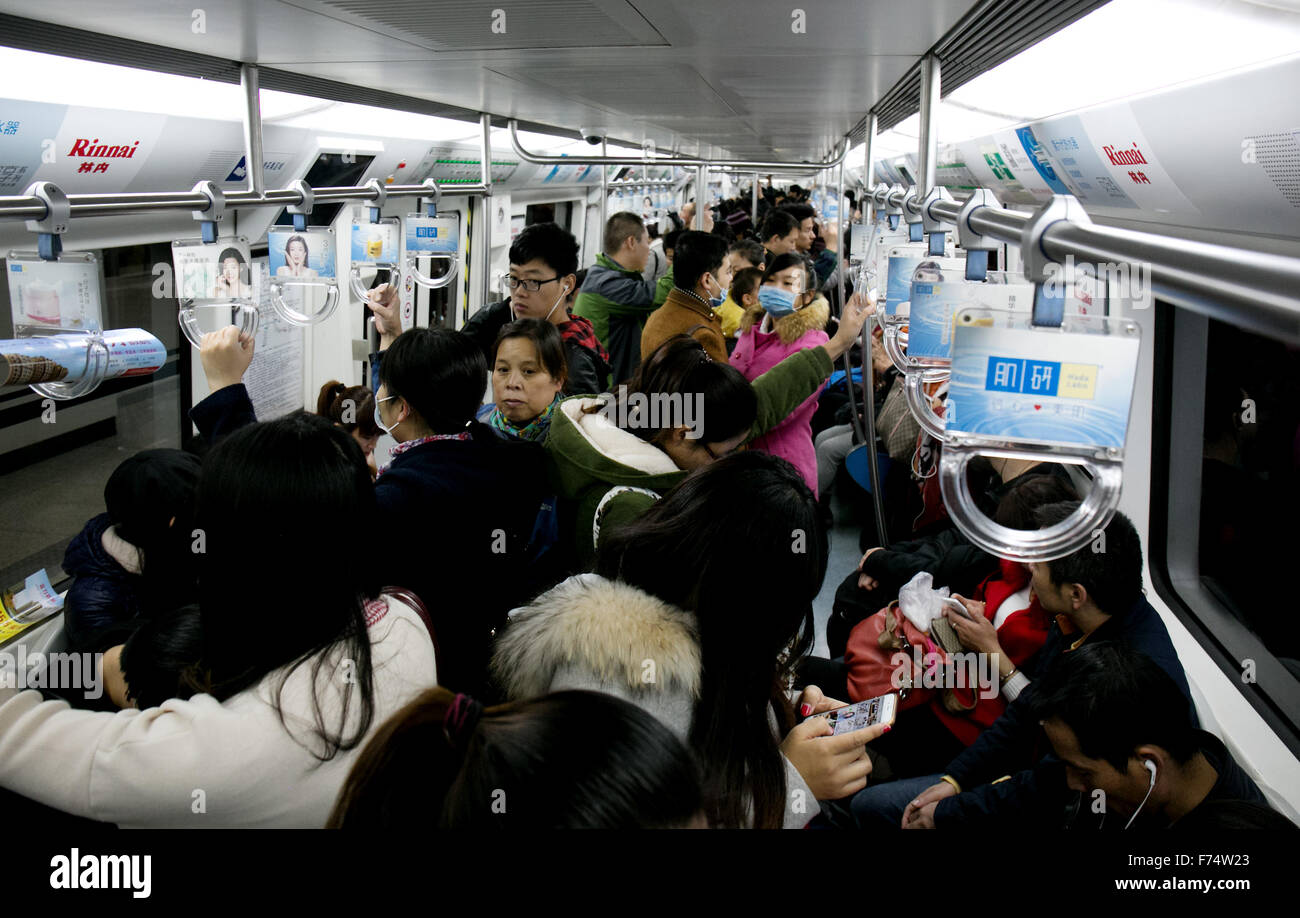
(914, 232)
(433, 283)
(95, 372)
(295, 317)
(1057, 541)
(893, 339)
(922, 405)
(977, 265)
(360, 289)
(243, 315)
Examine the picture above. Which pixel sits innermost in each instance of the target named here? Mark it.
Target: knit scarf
(412, 444)
(534, 431)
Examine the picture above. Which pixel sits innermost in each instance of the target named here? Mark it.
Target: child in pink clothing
(789, 316)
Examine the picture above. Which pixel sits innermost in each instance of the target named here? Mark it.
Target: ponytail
(332, 403)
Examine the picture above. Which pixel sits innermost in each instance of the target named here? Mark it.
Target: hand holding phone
(879, 710)
(957, 606)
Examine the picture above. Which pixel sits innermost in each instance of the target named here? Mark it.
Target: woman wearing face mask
(790, 317)
(612, 456)
(528, 374)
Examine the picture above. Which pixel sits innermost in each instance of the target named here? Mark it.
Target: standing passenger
(790, 317)
(615, 298)
(302, 656)
(667, 624)
(699, 284)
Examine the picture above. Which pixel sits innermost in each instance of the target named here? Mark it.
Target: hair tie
(460, 720)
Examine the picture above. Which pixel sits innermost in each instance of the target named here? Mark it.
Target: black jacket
(103, 593)
(455, 520)
(588, 373)
(1013, 744)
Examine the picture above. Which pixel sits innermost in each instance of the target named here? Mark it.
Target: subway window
(56, 457)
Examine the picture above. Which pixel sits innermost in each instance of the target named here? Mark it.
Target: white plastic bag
(920, 602)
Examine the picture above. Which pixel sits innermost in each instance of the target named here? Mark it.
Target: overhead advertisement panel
(1130, 159)
(1079, 163)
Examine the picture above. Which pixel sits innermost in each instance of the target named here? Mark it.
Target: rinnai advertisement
(1192, 156)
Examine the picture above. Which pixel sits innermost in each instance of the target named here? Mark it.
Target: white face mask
(379, 422)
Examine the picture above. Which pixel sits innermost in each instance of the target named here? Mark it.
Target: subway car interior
(801, 392)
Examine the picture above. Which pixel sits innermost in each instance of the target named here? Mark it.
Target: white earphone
(1151, 785)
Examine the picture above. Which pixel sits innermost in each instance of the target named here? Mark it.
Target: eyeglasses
(532, 286)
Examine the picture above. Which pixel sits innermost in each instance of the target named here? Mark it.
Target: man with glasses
(542, 282)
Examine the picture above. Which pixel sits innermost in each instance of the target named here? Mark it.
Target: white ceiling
(704, 77)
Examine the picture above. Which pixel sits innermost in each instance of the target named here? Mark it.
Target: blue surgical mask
(776, 300)
(717, 301)
(379, 422)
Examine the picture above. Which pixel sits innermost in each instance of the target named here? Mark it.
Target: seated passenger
(699, 281)
(614, 297)
(528, 373)
(570, 760)
(695, 613)
(353, 409)
(1008, 625)
(544, 281)
(790, 317)
(156, 661)
(1094, 596)
(446, 467)
(1120, 728)
(612, 457)
(303, 657)
(952, 559)
(135, 560)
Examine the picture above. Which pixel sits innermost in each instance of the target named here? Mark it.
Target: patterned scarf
(534, 431)
(412, 444)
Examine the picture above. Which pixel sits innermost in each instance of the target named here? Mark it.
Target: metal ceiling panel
(745, 78)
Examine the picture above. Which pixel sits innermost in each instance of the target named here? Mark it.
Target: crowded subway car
(868, 416)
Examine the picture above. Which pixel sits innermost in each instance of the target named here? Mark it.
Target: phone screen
(863, 714)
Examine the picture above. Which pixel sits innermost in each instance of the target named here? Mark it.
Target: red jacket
(1021, 636)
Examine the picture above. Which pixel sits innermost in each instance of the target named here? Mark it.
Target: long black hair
(283, 573)
(739, 543)
(567, 760)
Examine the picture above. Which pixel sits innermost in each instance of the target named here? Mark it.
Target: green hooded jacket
(589, 455)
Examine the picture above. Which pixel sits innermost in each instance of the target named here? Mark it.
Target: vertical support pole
(485, 176)
(252, 128)
(701, 192)
(868, 175)
(604, 195)
(485, 150)
(929, 139)
(753, 204)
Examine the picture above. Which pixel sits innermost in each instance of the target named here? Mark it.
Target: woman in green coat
(612, 456)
